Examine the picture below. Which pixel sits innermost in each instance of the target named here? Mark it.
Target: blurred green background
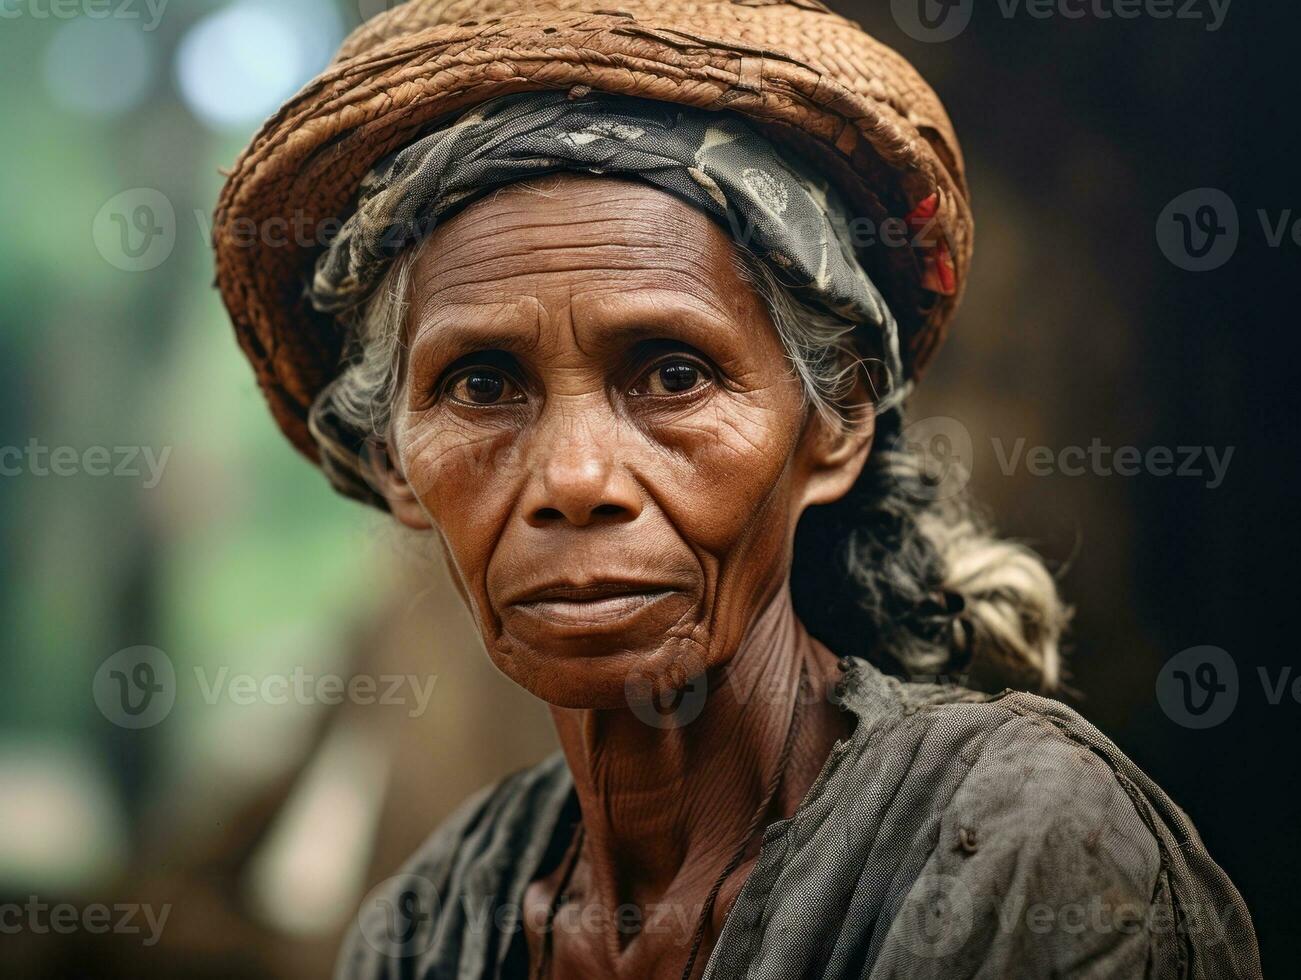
(218, 545)
(261, 825)
(237, 549)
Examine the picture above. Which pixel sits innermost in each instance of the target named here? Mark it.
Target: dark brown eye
(483, 386)
(671, 378)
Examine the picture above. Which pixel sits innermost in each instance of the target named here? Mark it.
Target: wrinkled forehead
(578, 235)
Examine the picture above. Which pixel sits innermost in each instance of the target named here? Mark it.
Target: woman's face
(597, 416)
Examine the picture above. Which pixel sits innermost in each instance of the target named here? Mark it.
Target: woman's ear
(835, 454)
(385, 474)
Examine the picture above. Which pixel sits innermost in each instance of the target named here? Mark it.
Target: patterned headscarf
(790, 219)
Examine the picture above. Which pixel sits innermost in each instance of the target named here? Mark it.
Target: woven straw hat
(803, 75)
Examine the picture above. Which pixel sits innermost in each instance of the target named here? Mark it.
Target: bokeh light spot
(98, 67)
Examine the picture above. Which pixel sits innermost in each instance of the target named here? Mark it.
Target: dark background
(1077, 134)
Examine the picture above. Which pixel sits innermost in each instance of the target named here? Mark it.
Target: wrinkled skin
(598, 420)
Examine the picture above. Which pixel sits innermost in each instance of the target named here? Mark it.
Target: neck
(664, 808)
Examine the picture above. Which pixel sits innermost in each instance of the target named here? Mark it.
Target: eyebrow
(452, 330)
(658, 313)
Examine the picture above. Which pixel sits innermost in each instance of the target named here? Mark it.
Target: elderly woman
(620, 309)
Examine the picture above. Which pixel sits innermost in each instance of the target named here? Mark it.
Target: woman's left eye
(672, 378)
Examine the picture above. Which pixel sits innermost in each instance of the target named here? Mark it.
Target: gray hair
(918, 585)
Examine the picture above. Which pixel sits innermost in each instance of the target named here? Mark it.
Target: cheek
(464, 479)
(725, 480)
(728, 486)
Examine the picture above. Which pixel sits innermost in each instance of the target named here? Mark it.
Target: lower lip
(588, 613)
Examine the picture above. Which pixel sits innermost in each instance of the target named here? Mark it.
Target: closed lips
(563, 592)
(590, 605)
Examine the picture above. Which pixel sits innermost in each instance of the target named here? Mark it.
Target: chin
(651, 668)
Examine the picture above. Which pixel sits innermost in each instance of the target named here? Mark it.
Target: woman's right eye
(482, 385)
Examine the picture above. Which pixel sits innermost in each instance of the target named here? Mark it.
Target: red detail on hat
(938, 273)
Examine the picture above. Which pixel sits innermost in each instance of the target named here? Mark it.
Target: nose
(578, 478)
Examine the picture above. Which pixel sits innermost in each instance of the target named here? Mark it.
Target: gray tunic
(951, 835)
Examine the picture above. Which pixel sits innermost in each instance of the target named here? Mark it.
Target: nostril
(580, 516)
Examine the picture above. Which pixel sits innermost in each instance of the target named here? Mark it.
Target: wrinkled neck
(664, 808)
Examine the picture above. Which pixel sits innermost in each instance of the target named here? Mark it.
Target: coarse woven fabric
(783, 213)
(952, 835)
(802, 75)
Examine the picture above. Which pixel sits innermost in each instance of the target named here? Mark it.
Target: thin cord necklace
(768, 796)
(706, 910)
(571, 862)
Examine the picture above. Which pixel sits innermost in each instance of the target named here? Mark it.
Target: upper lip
(577, 592)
